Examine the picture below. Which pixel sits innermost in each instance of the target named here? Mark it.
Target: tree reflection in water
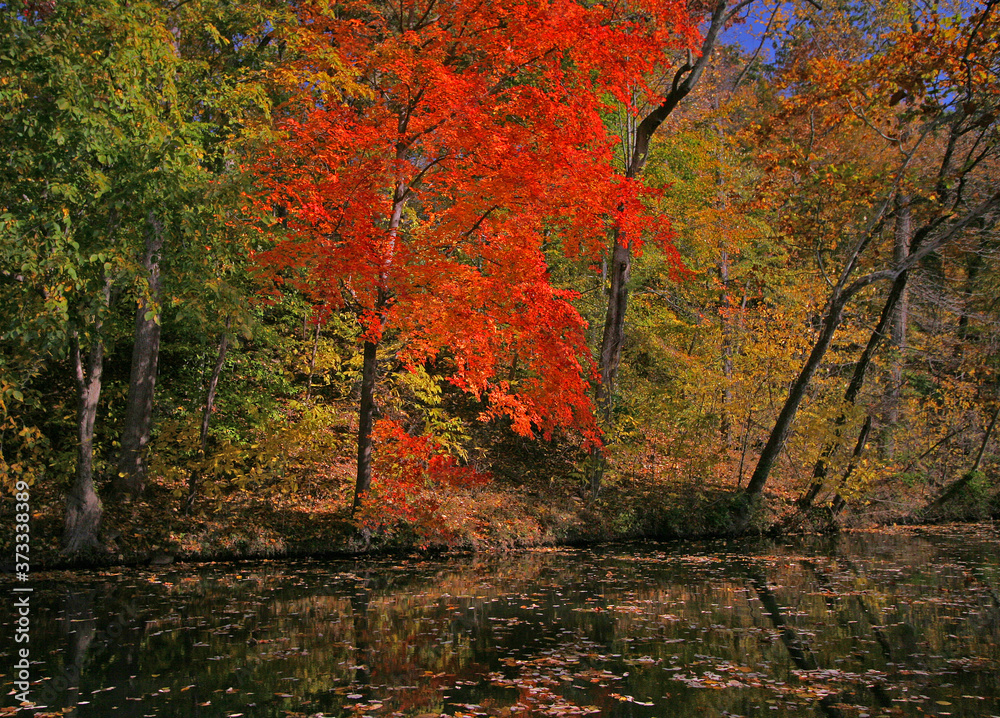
(867, 624)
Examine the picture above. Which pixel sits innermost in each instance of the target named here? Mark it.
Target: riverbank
(315, 519)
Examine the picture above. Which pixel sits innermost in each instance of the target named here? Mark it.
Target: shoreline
(352, 548)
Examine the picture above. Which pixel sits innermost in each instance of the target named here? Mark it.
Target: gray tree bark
(900, 317)
(132, 468)
(83, 507)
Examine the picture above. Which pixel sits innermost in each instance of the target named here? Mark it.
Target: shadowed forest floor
(505, 514)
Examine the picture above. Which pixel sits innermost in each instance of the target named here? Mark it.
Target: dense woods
(442, 271)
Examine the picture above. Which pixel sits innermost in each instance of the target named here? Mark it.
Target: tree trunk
(893, 312)
(957, 486)
(839, 502)
(854, 388)
(312, 361)
(213, 385)
(206, 414)
(612, 341)
(842, 293)
(83, 507)
(779, 433)
(132, 469)
(725, 421)
(366, 412)
(614, 326)
(901, 250)
(613, 337)
(365, 420)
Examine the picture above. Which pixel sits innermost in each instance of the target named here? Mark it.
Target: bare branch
(890, 274)
(734, 12)
(478, 223)
(753, 57)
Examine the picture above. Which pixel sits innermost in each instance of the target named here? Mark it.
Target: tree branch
(684, 81)
(753, 57)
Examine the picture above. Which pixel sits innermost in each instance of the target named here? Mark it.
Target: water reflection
(835, 627)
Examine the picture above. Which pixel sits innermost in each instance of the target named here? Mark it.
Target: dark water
(856, 625)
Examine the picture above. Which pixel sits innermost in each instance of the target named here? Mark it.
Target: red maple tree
(420, 196)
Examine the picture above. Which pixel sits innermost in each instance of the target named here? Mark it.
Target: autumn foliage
(445, 256)
(422, 197)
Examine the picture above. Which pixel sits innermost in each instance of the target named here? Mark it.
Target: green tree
(121, 147)
(83, 104)
(220, 103)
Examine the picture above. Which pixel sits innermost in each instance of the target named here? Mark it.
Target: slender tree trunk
(213, 385)
(132, 468)
(779, 434)
(614, 325)
(206, 414)
(783, 425)
(366, 411)
(312, 361)
(725, 303)
(725, 421)
(839, 502)
(620, 270)
(83, 507)
(366, 417)
(957, 486)
(890, 313)
(821, 467)
(901, 250)
(612, 341)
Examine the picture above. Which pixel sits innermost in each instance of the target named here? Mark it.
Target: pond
(849, 625)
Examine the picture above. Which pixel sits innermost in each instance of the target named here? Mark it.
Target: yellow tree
(924, 91)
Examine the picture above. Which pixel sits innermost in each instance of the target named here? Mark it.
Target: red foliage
(422, 198)
(414, 474)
